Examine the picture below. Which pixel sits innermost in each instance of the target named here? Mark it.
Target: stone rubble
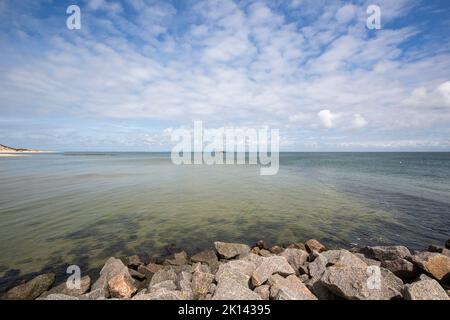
(234, 271)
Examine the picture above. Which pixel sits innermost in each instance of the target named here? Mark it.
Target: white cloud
(327, 118)
(358, 121)
(346, 14)
(233, 62)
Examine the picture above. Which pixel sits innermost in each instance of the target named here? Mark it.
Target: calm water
(59, 209)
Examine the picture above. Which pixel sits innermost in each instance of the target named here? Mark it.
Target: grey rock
(425, 290)
(58, 296)
(209, 257)
(227, 272)
(85, 284)
(402, 268)
(317, 267)
(368, 261)
(167, 284)
(97, 294)
(265, 253)
(163, 274)
(276, 249)
(343, 258)
(232, 290)
(295, 257)
(269, 266)
(292, 283)
(287, 294)
(201, 282)
(263, 291)
(184, 281)
(314, 245)
(435, 264)
(256, 259)
(244, 266)
(164, 294)
(136, 274)
(261, 244)
(133, 261)
(355, 283)
(31, 289)
(386, 252)
(179, 259)
(447, 244)
(231, 250)
(112, 268)
(319, 290)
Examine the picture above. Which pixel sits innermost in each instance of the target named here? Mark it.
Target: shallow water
(80, 208)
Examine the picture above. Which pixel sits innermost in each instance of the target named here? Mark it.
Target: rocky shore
(232, 271)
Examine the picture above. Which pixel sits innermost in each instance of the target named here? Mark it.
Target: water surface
(81, 208)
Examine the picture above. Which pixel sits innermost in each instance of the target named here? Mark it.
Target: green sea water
(81, 208)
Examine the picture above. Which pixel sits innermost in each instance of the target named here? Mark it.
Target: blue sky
(139, 69)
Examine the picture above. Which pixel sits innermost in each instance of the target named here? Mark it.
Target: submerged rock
(425, 290)
(31, 289)
(231, 250)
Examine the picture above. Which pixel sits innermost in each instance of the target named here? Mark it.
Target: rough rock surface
(435, 264)
(231, 250)
(209, 257)
(295, 257)
(263, 291)
(58, 296)
(356, 283)
(31, 289)
(163, 274)
(85, 284)
(288, 294)
(314, 245)
(112, 268)
(121, 286)
(386, 252)
(292, 283)
(179, 259)
(425, 290)
(232, 290)
(401, 268)
(343, 258)
(269, 266)
(201, 282)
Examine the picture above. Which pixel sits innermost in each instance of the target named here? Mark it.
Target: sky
(139, 69)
